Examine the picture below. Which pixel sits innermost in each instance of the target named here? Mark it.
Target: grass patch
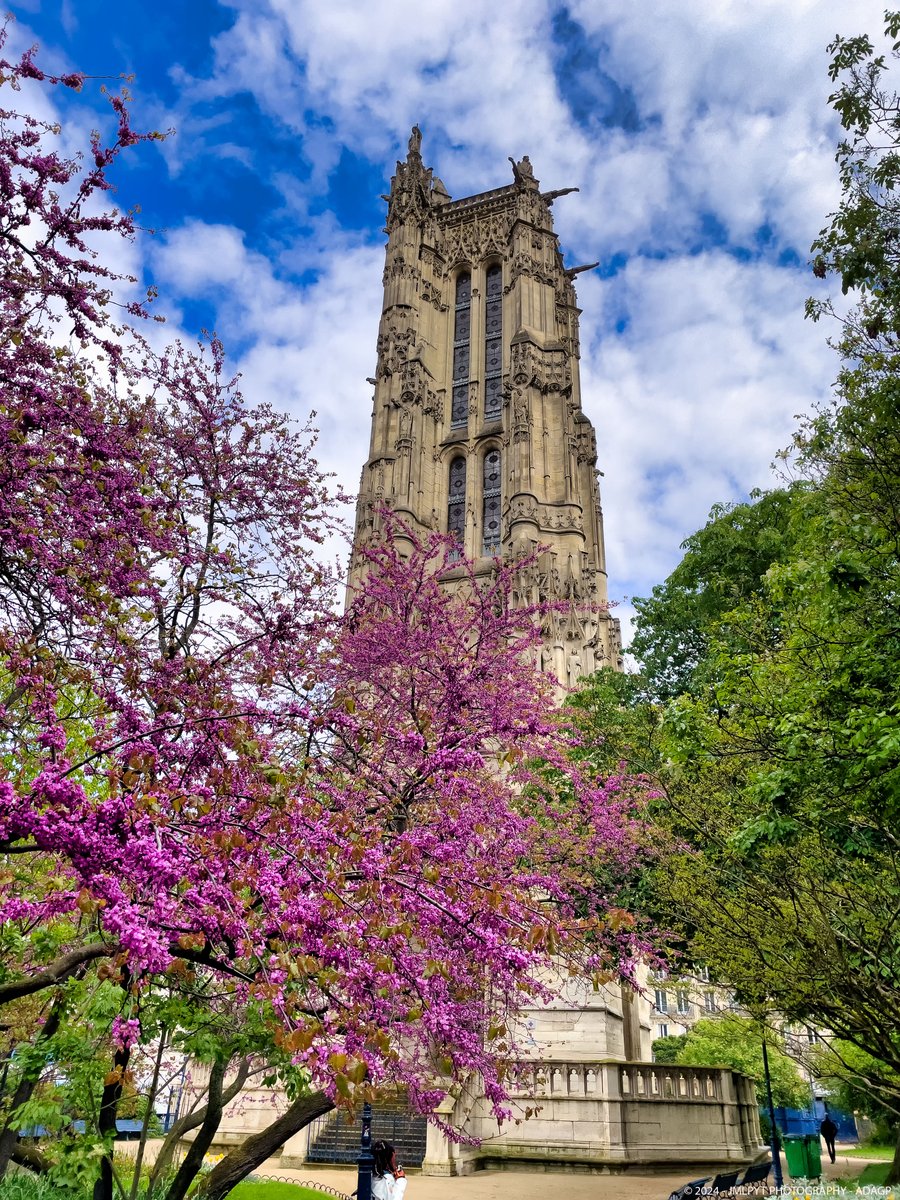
(875, 1173)
(22, 1186)
(273, 1189)
(18, 1186)
(883, 1153)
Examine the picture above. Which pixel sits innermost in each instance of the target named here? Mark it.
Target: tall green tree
(849, 1073)
(777, 756)
(724, 565)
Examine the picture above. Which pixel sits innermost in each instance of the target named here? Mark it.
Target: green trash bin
(813, 1156)
(794, 1145)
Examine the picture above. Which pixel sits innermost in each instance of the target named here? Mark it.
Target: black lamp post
(365, 1161)
(775, 1144)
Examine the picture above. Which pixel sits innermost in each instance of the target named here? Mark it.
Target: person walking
(828, 1130)
(388, 1180)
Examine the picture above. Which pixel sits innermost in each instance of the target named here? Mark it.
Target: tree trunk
(106, 1122)
(148, 1115)
(893, 1175)
(30, 1157)
(193, 1160)
(192, 1120)
(256, 1149)
(25, 1088)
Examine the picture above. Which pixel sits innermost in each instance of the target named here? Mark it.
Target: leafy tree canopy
(736, 1042)
(724, 565)
(666, 1049)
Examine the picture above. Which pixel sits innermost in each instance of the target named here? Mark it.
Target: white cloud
(304, 349)
(733, 95)
(694, 398)
(697, 393)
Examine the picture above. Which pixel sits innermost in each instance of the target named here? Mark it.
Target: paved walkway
(520, 1185)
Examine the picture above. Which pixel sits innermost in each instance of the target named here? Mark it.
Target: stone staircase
(336, 1138)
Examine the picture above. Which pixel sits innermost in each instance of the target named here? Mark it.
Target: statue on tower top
(414, 145)
(523, 173)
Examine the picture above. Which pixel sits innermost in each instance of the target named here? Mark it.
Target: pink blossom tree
(367, 829)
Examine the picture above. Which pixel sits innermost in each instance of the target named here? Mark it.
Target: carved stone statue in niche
(396, 344)
(521, 364)
(573, 587)
(573, 668)
(587, 444)
(432, 404)
(520, 407)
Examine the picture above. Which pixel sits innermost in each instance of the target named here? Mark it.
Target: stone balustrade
(605, 1116)
(646, 1081)
(655, 1082)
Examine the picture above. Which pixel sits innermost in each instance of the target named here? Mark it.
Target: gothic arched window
(493, 344)
(462, 331)
(491, 502)
(456, 502)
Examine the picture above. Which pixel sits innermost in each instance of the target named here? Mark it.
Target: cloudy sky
(697, 130)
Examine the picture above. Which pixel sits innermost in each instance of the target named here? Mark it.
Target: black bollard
(365, 1161)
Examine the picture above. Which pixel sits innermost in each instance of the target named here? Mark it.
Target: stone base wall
(605, 1116)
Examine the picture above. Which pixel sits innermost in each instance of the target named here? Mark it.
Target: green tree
(779, 748)
(854, 1079)
(724, 565)
(617, 722)
(736, 1042)
(666, 1049)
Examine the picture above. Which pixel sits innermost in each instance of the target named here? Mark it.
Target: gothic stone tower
(477, 427)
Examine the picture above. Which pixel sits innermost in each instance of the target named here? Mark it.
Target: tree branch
(60, 969)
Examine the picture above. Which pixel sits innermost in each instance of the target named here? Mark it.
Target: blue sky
(697, 130)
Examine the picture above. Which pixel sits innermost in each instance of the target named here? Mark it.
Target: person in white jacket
(388, 1180)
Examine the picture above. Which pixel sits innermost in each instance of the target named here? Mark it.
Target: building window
(683, 1002)
(662, 1000)
(702, 974)
(456, 504)
(491, 505)
(662, 1031)
(709, 1001)
(493, 344)
(462, 332)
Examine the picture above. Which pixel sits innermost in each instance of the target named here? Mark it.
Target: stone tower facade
(477, 426)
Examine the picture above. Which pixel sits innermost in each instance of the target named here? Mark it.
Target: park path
(505, 1185)
(530, 1185)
